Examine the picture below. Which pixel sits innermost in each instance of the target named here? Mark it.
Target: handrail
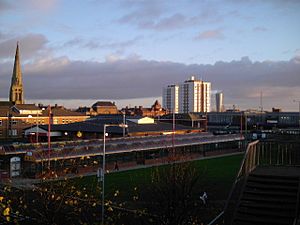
(262, 153)
(216, 218)
(248, 151)
(240, 171)
(238, 177)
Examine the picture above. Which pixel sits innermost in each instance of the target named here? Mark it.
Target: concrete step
(269, 196)
(271, 187)
(273, 179)
(268, 206)
(264, 199)
(257, 220)
(266, 213)
(279, 194)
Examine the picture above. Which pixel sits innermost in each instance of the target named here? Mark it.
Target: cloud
(143, 13)
(123, 78)
(172, 22)
(260, 29)
(4, 6)
(111, 58)
(30, 45)
(44, 5)
(153, 15)
(96, 44)
(210, 34)
(30, 5)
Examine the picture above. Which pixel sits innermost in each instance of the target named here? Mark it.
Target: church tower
(16, 94)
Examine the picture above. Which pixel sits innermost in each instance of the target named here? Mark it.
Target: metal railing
(264, 153)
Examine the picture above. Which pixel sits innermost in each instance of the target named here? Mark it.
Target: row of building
(16, 118)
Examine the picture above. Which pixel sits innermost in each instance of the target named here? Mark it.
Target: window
(13, 122)
(14, 132)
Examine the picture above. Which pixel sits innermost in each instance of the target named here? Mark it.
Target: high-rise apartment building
(219, 102)
(194, 96)
(190, 96)
(170, 98)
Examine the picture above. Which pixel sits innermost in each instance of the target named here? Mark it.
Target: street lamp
(299, 113)
(103, 162)
(124, 122)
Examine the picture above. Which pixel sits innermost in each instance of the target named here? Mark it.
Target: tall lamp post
(103, 162)
(37, 128)
(124, 122)
(299, 113)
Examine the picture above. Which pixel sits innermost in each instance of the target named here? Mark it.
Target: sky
(76, 52)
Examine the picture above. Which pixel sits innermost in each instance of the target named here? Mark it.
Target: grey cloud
(74, 42)
(134, 78)
(31, 44)
(297, 52)
(260, 29)
(174, 21)
(92, 44)
(154, 16)
(31, 5)
(143, 11)
(5, 5)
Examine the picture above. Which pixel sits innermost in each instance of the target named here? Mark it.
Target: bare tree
(171, 192)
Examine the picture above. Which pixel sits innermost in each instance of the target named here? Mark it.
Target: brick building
(98, 108)
(15, 118)
(154, 111)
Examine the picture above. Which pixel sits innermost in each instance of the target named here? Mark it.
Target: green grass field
(216, 178)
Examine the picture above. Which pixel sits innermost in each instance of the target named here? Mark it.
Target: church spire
(16, 94)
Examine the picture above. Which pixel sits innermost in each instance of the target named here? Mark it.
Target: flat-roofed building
(219, 102)
(194, 96)
(171, 98)
(191, 96)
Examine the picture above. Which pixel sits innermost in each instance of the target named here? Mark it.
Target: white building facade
(170, 98)
(219, 102)
(193, 96)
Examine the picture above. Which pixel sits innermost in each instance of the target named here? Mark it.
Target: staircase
(270, 196)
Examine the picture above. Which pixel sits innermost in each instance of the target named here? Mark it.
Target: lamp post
(173, 133)
(49, 134)
(299, 113)
(37, 128)
(124, 122)
(246, 126)
(103, 162)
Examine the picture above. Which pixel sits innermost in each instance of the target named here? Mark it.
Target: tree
(171, 192)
